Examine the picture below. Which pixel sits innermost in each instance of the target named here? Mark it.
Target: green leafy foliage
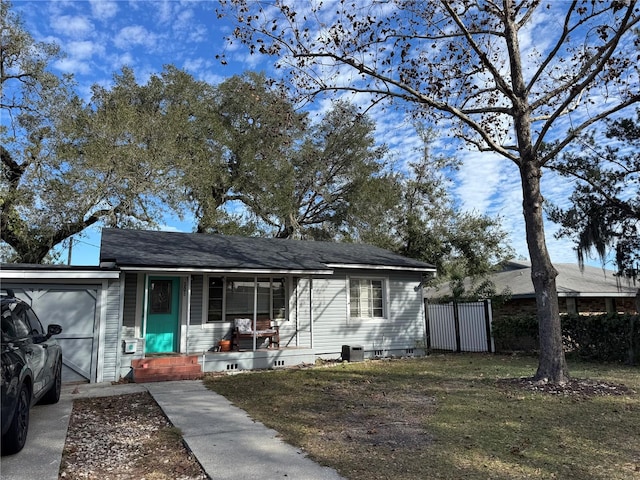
(428, 225)
(68, 164)
(240, 156)
(515, 333)
(607, 337)
(602, 338)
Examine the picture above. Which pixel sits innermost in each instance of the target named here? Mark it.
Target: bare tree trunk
(552, 365)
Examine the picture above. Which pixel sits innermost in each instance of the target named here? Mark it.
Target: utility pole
(70, 250)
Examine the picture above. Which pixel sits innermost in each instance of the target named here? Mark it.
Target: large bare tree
(518, 78)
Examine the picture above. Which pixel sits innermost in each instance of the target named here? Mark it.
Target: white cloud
(104, 10)
(78, 59)
(164, 12)
(73, 65)
(478, 180)
(203, 69)
(72, 26)
(134, 35)
(83, 49)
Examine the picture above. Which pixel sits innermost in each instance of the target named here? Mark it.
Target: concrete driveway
(40, 457)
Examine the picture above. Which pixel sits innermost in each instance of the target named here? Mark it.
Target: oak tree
(68, 164)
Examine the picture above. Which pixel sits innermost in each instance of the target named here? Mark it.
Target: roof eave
(38, 274)
(597, 294)
(362, 266)
(245, 271)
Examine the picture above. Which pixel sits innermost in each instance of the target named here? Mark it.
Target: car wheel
(53, 394)
(16, 436)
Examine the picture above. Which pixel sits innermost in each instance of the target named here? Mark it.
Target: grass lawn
(447, 417)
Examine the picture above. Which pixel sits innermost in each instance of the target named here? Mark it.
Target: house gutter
(119, 349)
(364, 266)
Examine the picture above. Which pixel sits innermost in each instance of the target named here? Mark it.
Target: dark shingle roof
(142, 248)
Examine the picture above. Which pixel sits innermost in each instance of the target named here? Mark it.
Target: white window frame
(385, 296)
(260, 278)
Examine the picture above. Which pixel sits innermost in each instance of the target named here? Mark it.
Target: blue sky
(100, 37)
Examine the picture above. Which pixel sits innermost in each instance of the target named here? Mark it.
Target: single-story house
(182, 292)
(163, 296)
(586, 291)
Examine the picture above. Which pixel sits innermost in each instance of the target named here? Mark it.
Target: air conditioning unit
(352, 353)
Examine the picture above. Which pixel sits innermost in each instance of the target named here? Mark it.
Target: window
(160, 296)
(366, 298)
(20, 323)
(34, 323)
(239, 301)
(233, 297)
(278, 298)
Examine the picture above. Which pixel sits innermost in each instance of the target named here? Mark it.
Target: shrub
(515, 333)
(607, 337)
(602, 338)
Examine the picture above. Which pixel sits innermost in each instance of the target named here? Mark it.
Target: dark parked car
(31, 369)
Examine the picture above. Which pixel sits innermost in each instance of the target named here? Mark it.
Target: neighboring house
(181, 292)
(586, 291)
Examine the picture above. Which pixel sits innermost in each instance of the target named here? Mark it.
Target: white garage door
(76, 310)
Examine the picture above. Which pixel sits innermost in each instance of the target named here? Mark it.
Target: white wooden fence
(460, 327)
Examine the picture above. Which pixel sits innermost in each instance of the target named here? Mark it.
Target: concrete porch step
(162, 369)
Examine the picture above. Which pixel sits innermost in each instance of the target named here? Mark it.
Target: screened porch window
(233, 297)
(366, 298)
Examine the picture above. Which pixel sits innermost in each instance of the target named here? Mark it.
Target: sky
(100, 37)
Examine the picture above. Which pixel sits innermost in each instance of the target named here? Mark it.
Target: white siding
(303, 316)
(400, 330)
(111, 346)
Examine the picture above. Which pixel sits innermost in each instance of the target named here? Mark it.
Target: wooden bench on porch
(243, 329)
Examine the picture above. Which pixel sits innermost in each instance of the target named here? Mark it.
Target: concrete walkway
(225, 440)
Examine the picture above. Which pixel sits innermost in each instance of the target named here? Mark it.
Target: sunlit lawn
(446, 416)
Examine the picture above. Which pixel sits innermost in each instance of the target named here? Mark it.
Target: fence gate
(459, 327)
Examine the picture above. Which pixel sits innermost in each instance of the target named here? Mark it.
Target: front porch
(160, 368)
(256, 360)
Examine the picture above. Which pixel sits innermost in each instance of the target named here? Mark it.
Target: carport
(81, 300)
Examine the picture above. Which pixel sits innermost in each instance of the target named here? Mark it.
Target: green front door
(163, 315)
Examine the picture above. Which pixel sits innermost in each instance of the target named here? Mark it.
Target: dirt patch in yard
(380, 419)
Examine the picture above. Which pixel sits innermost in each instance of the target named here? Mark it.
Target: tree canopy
(475, 68)
(604, 210)
(66, 164)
